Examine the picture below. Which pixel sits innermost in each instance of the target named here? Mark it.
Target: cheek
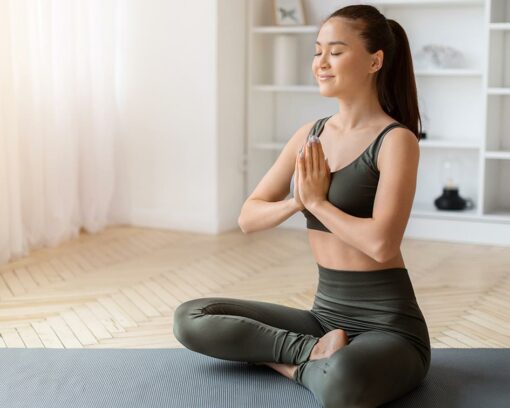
(348, 67)
(345, 61)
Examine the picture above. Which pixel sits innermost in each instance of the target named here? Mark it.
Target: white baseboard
(164, 220)
(474, 232)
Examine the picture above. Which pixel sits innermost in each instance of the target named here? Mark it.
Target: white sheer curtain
(57, 120)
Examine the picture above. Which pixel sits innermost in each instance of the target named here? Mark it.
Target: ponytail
(395, 82)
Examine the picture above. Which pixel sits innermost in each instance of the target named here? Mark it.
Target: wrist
(314, 205)
(295, 205)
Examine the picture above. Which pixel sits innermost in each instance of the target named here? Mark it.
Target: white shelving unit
(465, 112)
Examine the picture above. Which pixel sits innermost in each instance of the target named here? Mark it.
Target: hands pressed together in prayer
(311, 175)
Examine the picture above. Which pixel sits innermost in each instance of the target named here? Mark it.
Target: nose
(323, 62)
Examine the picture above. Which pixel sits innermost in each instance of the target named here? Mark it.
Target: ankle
(315, 354)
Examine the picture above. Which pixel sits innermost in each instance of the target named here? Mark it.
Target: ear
(377, 60)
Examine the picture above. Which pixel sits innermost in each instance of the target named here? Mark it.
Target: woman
(365, 340)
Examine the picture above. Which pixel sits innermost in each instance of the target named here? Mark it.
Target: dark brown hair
(395, 82)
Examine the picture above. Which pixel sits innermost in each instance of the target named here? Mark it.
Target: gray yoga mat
(180, 378)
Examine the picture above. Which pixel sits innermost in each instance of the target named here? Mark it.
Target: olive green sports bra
(352, 188)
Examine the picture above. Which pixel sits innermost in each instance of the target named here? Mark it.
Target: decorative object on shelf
(289, 12)
(285, 59)
(450, 199)
(439, 56)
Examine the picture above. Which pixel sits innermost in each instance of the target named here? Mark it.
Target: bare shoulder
(399, 145)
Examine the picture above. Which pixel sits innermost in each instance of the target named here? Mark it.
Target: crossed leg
(374, 368)
(327, 345)
(247, 330)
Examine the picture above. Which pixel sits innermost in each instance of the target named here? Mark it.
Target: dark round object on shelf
(450, 200)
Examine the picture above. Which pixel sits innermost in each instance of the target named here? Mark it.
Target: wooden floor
(119, 288)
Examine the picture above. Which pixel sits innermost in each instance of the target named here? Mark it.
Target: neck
(358, 110)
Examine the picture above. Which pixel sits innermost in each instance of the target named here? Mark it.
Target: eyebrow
(332, 42)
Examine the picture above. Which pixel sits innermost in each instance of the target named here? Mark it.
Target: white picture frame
(288, 12)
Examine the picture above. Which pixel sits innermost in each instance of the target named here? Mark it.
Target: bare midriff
(331, 252)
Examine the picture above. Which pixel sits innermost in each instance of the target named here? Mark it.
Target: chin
(327, 91)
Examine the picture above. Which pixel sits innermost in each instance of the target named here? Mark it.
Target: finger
(301, 164)
(308, 157)
(326, 165)
(315, 157)
(322, 157)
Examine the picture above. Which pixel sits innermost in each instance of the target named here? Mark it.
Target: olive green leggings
(388, 353)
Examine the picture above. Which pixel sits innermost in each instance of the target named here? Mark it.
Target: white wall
(231, 99)
(182, 114)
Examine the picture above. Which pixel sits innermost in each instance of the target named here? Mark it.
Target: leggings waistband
(382, 284)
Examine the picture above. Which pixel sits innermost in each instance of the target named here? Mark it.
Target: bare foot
(287, 370)
(329, 343)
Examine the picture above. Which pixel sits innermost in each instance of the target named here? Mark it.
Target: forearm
(362, 233)
(258, 215)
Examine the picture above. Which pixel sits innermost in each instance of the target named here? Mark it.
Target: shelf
(302, 29)
(498, 91)
(425, 3)
(462, 72)
(430, 210)
(499, 26)
(499, 216)
(502, 216)
(454, 144)
(505, 155)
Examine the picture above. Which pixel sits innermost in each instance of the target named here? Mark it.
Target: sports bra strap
(318, 126)
(376, 144)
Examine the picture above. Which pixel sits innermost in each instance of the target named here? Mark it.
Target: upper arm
(397, 162)
(275, 185)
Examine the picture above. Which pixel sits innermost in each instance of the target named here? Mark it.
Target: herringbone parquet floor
(119, 288)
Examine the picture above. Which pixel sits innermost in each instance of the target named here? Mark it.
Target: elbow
(384, 251)
(242, 226)
(241, 220)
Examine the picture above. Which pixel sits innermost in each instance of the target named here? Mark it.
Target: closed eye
(331, 54)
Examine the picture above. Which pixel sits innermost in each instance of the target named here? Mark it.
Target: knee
(183, 328)
(345, 385)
